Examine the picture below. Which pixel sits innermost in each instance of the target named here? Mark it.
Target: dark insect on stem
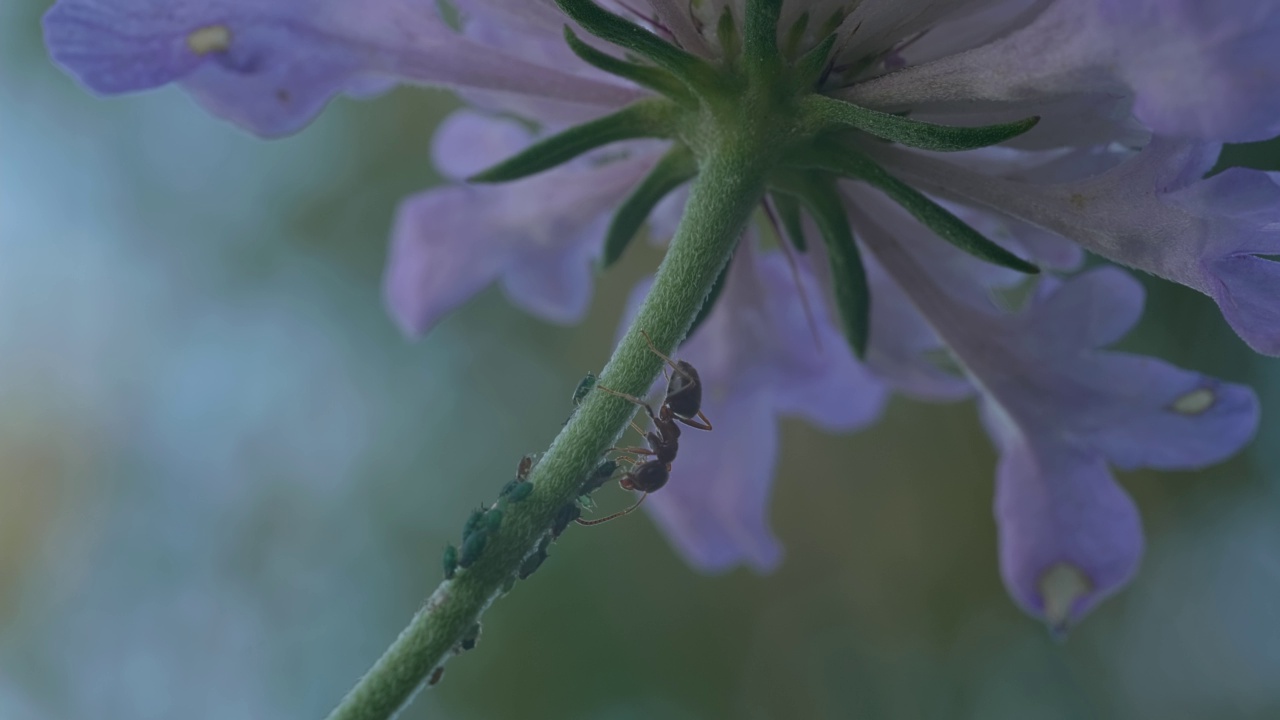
(681, 405)
(599, 477)
(584, 388)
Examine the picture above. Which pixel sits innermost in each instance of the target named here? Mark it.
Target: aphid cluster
(681, 405)
(650, 469)
(485, 521)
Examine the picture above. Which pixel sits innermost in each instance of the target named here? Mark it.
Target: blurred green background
(225, 479)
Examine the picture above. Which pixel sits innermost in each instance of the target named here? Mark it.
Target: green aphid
(473, 523)
(493, 520)
(519, 492)
(468, 641)
(509, 584)
(509, 488)
(450, 561)
(472, 547)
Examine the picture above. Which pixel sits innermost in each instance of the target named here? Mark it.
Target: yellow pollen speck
(214, 38)
(1060, 586)
(1194, 402)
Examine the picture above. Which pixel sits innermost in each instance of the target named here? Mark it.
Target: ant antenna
(614, 516)
(795, 274)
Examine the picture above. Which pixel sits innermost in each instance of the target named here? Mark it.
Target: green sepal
(727, 35)
(760, 33)
(848, 276)
(654, 78)
(838, 115)
(811, 66)
(674, 169)
(850, 163)
(792, 224)
(647, 118)
(795, 35)
(709, 303)
(690, 69)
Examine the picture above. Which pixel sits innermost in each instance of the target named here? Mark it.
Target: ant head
(684, 391)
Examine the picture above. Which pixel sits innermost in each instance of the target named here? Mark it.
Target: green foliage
(644, 119)
(655, 79)
(839, 115)
(849, 163)
(848, 276)
(690, 69)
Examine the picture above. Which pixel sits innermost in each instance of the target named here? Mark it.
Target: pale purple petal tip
(438, 258)
(537, 236)
(112, 51)
(1240, 255)
(1069, 535)
(267, 68)
(467, 142)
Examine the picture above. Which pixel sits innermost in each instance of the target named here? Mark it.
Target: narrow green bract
(848, 276)
(649, 118)
(655, 79)
(792, 224)
(673, 170)
(760, 34)
(811, 66)
(839, 115)
(605, 25)
(846, 162)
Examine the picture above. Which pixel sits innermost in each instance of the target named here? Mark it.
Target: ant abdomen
(647, 477)
(684, 392)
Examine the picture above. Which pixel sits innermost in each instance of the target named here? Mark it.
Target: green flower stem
(728, 187)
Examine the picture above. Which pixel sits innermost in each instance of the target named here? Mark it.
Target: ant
(682, 404)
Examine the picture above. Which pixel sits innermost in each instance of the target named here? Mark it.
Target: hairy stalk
(728, 187)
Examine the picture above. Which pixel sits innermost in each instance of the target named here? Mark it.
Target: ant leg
(634, 399)
(658, 352)
(614, 516)
(704, 425)
(674, 368)
(633, 450)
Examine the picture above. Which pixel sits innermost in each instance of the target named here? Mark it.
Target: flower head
(1108, 113)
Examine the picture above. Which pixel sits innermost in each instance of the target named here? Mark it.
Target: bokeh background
(225, 479)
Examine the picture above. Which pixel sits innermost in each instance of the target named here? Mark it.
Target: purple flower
(1134, 98)
(272, 66)
(1060, 411)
